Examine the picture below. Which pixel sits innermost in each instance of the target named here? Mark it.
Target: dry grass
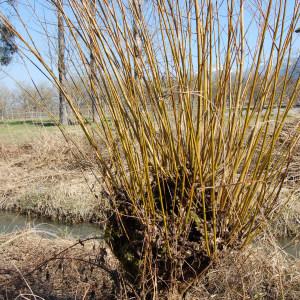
(293, 176)
(262, 271)
(287, 224)
(74, 274)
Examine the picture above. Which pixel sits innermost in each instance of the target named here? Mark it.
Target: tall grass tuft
(191, 98)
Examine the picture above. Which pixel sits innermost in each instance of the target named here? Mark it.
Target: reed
(191, 98)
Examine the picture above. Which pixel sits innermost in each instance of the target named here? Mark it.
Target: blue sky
(32, 10)
(21, 70)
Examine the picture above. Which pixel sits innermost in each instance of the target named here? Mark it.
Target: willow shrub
(191, 98)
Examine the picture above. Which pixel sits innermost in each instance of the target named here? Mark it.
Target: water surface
(291, 246)
(12, 222)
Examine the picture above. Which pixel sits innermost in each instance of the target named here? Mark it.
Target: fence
(38, 116)
(23, 116)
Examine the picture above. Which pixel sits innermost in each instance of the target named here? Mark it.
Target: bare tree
(39, 98)
(5, 98)
(63, 111)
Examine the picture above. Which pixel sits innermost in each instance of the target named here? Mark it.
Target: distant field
(23, 131)
(18, 131)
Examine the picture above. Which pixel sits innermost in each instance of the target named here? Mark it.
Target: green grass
(22, 132)
(41, 122)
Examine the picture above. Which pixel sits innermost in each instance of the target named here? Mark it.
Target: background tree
(39, 98)
(5, 100)
(63, 112)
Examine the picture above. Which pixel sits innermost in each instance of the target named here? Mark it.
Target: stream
(290, 246)
(12, 222)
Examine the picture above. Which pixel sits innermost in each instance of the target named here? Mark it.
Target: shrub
(190, 113)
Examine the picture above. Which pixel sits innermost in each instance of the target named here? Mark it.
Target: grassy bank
(41, 174)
